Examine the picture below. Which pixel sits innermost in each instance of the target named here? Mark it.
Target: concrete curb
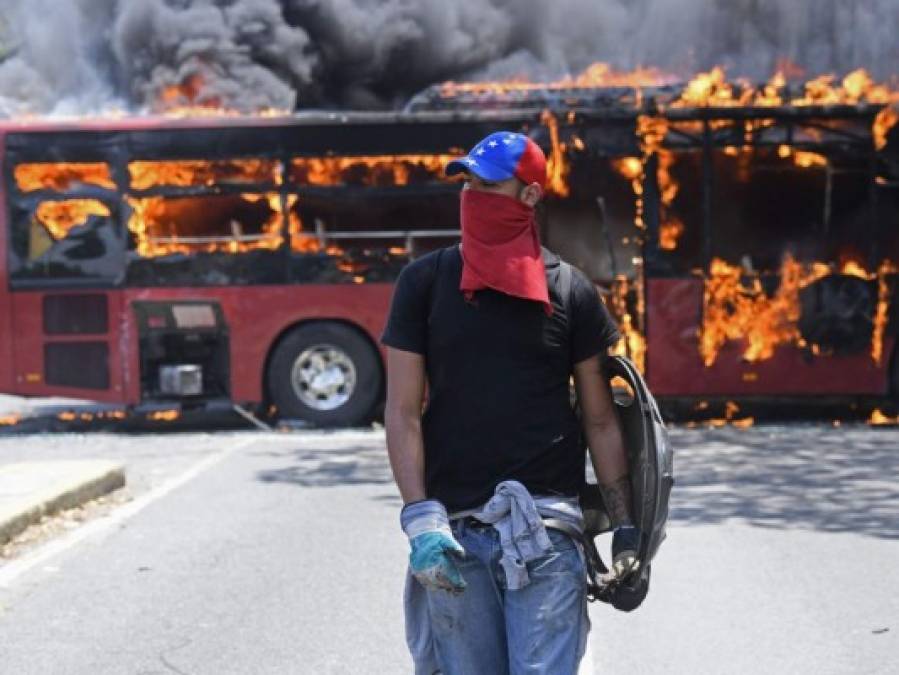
(32, 490)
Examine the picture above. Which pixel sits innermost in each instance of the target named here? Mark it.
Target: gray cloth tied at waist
(518, 519)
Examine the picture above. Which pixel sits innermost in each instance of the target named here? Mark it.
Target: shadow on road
(797, 476)
(326, 464)
(836, 480)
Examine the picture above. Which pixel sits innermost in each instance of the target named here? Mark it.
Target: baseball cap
(501, 156)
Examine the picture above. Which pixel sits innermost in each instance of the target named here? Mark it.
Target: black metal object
(183, 332)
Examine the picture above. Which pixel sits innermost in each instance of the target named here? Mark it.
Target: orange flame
(186, 99)
(598, 74)
(164, 226)
(736, 307)
(878, 418)
(367, 169)
(730, 410)
(557, 167)
(881, 314)
(164, 415)
(62, 176)
(801, 158)
(61, 216)
(183, 173)
(733, 310)
(632, 343)
(886, 119)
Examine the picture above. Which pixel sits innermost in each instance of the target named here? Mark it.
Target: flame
(61, 216)
(801, 158)
(736, 307)
(733, 310)
(877, 418)
(886, 119)
(712, 89)
(669, 233)
(161, 226)
(187, 99)
(183, 173)
(62, 176)
(557, 167)
(881, 314)
(599, 74)
(632, 343)
(368, 170)
(164, 415)
(651, 132)
(730, 411)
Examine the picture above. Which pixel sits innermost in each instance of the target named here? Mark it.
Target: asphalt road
(254, 552)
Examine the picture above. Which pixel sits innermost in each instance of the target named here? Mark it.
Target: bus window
(65, 239)
(766, 204)
(360, 236)
(207, 222)
(359, 219)
(204, 239)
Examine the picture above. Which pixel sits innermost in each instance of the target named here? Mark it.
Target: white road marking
(15, 569)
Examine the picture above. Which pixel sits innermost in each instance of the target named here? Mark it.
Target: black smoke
(80, 56)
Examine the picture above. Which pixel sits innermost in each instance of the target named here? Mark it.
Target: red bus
(164, 263)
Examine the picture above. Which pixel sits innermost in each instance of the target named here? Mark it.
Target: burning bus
(747, 240)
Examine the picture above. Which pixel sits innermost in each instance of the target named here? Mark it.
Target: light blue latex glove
(433, 546)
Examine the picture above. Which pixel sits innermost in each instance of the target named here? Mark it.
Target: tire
(326, 374)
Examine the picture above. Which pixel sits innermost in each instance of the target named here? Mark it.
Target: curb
(62, 485)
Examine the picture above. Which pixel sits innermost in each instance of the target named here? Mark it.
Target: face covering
(501, 248)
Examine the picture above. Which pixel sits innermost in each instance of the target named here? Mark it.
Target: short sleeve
(407, 321)
(593, 330)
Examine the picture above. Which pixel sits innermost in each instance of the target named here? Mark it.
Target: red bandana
(501, 248)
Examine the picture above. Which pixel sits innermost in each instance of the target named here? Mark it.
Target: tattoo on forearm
(617, 498)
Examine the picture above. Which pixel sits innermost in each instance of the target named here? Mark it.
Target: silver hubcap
(323, 377)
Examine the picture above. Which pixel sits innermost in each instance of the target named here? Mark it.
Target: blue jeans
(489, 630)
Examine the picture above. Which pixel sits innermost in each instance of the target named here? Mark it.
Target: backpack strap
(565, 288)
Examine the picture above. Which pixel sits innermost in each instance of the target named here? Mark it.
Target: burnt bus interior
(324, 198)
(329, 203)
(229, 205)
(760, 191)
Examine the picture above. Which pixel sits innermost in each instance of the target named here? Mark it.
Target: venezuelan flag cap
(501, 156)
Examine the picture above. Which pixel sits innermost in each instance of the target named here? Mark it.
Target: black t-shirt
(498, 370)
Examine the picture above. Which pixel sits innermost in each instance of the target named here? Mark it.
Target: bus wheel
(324, 373)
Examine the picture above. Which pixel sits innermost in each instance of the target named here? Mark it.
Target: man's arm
(402, 418)
(604, 439)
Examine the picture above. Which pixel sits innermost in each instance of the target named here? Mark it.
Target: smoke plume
(82, 56)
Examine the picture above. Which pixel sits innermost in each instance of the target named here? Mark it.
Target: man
(491, 590)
